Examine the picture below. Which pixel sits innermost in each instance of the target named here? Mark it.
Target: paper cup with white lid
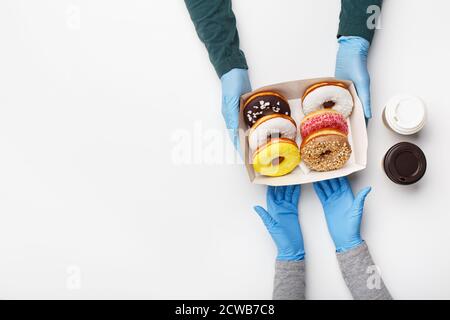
(405, 114)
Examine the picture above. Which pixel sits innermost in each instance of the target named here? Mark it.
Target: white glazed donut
(328, 95)
(271, 126)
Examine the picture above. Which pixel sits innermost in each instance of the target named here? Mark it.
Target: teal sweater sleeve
(356, 18)
(215, 23)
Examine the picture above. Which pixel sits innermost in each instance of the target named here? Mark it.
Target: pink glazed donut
(323, 119)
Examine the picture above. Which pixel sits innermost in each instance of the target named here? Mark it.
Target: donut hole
(273, 135)
(325, 153)
(329, 104)
(277, 161)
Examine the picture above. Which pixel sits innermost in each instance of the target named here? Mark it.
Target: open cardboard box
(293, 91)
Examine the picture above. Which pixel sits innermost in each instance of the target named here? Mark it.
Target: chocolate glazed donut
(263, 104)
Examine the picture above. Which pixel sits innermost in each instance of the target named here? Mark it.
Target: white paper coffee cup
(405, 114)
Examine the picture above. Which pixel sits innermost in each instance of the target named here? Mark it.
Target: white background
(92, 204)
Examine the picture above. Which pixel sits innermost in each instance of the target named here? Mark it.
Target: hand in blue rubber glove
(281, 220)
(351, 64)
(234, 84)
(343, 211)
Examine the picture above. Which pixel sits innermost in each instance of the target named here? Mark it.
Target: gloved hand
(351, 64)
(234, 84)
(343, 211)
(281, 220)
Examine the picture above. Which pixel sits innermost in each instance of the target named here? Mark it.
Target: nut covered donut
(326, 150)
(276, 158)
(323, 119)
(262, 104)
(270, 127)
(328, 95)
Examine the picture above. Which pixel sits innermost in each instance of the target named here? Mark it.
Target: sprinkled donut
(270, 127)
(326, 150)
(276, 158)
(328, 95)
(262, 104)
(322, 119)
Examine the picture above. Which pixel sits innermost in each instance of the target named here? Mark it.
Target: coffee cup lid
(405, 163)
(406, 114)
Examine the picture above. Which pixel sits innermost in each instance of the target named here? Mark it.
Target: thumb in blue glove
(343, 211)
(351, 64)
(281, 220)
(234, 84)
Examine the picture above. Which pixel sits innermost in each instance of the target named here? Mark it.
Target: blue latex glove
(351, 64)
(343, 211)
(234, 84)
(281, 220)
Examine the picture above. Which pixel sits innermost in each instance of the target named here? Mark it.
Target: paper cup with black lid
(405, 163)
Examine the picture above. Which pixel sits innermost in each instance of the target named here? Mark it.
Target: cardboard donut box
(293, 91)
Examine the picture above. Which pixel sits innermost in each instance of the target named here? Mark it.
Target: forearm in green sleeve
(289, 283)
(362, 276)
(215, 23)
(356, 18)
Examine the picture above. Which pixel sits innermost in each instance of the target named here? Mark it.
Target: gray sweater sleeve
(289, 283)
(361, 275)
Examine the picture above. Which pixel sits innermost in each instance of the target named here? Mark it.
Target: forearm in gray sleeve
(361, 275)
(289, 283)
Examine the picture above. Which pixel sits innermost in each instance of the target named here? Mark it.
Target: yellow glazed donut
(276, 158)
